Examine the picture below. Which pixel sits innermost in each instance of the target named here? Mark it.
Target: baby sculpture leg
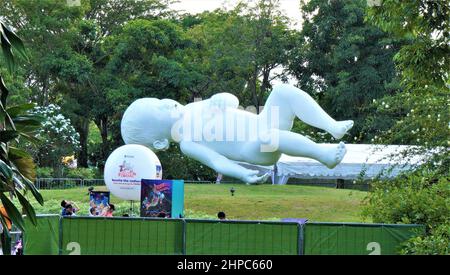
(292, 102)
(219, 163)
(297, 145)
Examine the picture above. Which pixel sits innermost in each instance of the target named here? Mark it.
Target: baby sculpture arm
(223, 101)
(218, 162)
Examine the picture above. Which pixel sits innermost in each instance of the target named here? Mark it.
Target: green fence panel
(121, 236)
(356, 239)
(42, 239)
(241, 238)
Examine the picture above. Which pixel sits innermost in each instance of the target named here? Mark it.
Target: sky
(291, 8)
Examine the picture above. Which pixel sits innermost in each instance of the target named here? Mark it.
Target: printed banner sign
(127, 166)
(162, 198)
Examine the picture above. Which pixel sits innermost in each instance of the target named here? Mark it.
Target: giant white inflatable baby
(219, 134)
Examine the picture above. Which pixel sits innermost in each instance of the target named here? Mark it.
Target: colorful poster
(156, 198)
(98, 200)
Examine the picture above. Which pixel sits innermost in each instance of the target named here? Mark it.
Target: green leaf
(27, 121)
(30, 138)
(15, 152)
(16, 110)
(4, 91)
(7, 53)
(7, 135)
(9, 122)
(16, 42)
(3, 223)
(6, 170)
(34, 191)
(27, 207)
(6, 247)
(12, 211)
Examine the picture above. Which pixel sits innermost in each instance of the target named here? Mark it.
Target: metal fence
(132, 236)
(65, 183)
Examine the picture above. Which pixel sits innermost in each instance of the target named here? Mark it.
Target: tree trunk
(264, 85)
(102, 125)
(253, 88)
(83, 130)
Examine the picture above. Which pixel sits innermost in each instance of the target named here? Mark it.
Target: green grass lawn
(250, 202)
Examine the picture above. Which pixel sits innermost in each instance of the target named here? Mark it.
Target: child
(93, 212)
(108, 211)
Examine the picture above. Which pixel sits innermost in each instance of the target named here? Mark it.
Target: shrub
(436, 243)
(82, 173)
(420, 197)
(58, 138)
(44, 172)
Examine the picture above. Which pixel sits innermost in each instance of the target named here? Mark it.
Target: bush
(59, 138)
(436, 243)
(82, 173)
(44, 172)
(420, 197)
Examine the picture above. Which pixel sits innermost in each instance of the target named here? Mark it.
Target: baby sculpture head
(148, 121)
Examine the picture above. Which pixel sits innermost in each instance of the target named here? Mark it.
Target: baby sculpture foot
(252, 177)
(335, 155)
(341, 128)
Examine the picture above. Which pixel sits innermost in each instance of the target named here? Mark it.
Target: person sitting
(19, 246)
(161, 215)
(93, 212)
(63, 207)
(221, 215)
(64, 204)
(69, 210)
(108, 211)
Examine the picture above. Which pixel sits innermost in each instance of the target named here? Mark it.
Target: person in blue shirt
(64, 205)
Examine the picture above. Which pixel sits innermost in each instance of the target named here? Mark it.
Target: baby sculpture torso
(218, 133)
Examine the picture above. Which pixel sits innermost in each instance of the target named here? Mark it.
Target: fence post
(339, 184)
(184, 237)
(60, 236)
(300, 239)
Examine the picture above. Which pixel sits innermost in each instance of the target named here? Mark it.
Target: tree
(240, 50)
(55, 68)
(45, 25)
(144, 60)
(345, 63)
(101, 20)
(422, 114)
(270, 43)
(67, 58)
(422, 109)
(58, 136)
(17, 170)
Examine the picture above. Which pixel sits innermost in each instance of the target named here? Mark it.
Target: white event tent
(362, 161)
